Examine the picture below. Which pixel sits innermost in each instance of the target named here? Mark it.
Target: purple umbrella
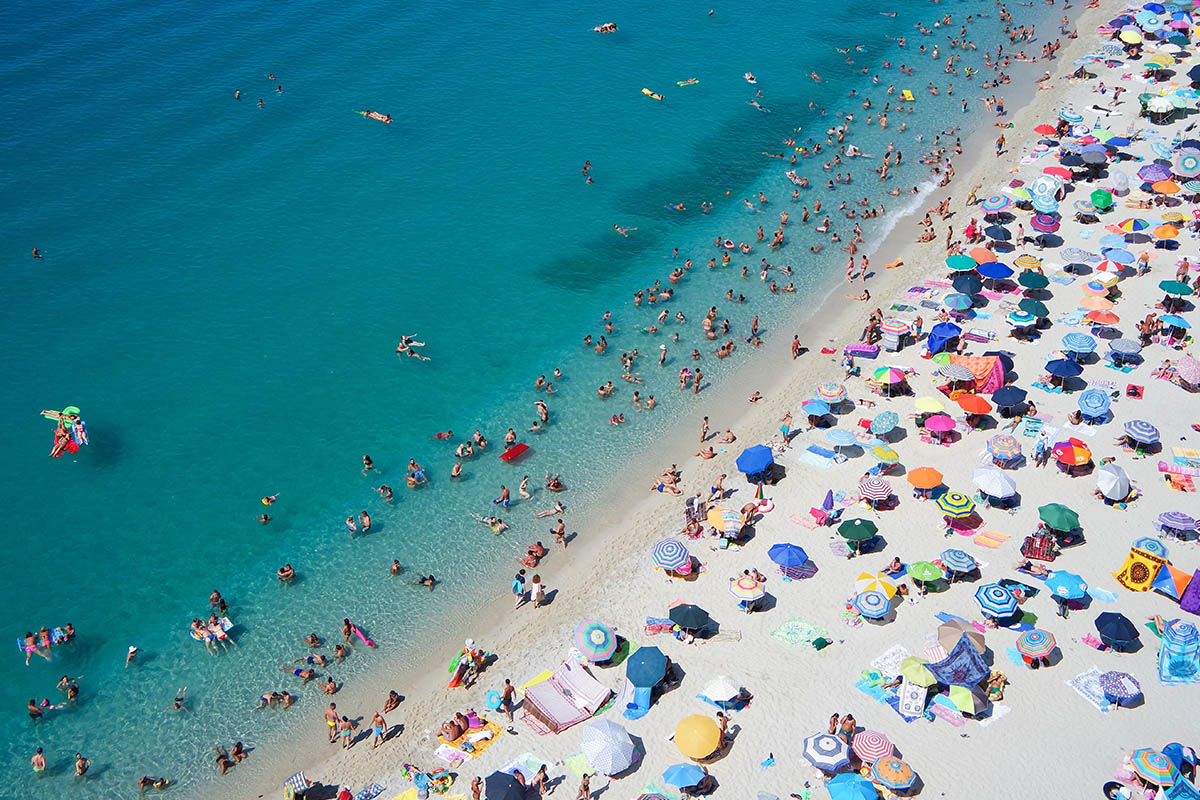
(1151, 173)
(1119, 687)
(1044, 223)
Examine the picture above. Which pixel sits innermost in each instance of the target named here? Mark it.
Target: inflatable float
(468, 656)
(908, 95)
(650, 94)
(57, 636)
(226, 624)
(71, 432)
(749, 76)
(793, 177)
(510, 454)
(688, 82)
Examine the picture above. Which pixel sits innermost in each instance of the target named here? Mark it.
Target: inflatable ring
(493, 700)
(957, 393)
(766, 505)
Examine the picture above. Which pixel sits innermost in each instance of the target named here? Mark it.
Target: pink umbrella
(940, 423)
(871, 746)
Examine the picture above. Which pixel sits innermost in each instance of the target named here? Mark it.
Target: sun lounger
(861, 350)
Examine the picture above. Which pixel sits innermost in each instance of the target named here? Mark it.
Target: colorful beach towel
(372, 791)
(889, 661)
(1179, 654)
(1087, 685)
(991, 539)
(799, 632)
(1138, 572)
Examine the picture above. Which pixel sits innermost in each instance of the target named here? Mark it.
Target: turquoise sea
(223, 287)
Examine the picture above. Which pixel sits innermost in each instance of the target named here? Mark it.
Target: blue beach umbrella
(840, 437)
(1066, 585)
(1126, 347)
(1045, 204)
(1008, 396)
(646, 667)
(996, 600)
(1174, 321)
(815, 408)
(884, 422)
(851, 786)
(1063, 368)
(1141, 431)
(788, 555)
(967, 283)
(681, 775)
(872, 604)
(960, 302)
(1022, 318)
(994, 269)
(1119, 256)
(997, 232)
(826, 752)
(1094, 402)
(958, 560)
(755, 459)
(670, 554)
(1079, 343)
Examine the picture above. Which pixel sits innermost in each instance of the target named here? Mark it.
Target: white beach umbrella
(994, 482)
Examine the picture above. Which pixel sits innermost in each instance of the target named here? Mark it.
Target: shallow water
(223, 287)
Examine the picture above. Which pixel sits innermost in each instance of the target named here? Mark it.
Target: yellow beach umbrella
(1131, 37)
(1174, 216)
(877, 582)
(1027, 262)
(930, 405)
(725, 519)
(697, 736)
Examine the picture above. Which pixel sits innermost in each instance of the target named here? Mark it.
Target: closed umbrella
(994, 482)
(996, 600)
(646, 667)
(595, 640)
(1066, 585)
(1036, 644)
(697, 736)
(1094, 402)
(1141, 431)
(949, 633)
(956, 505)
(1113, 482)
(608, 747)
(1058, 517)
(870, 746)
(826, 752)
(671, 555)
(958, 560)
(689, 617)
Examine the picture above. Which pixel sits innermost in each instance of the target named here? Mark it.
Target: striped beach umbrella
(1153, 766)
(840, 437)
(872, 605)
(1073, 117)
(1150, 545)
(671, 554)
(884, 422)
(956, 372)
(1176, 521)
(831, 391)
(1085, 207)
(595, 640)
(894, 326)
(1044, 223)
(871, 746)
(875, 582)
(957, 560)
(1095, 289)
(1133, 225)
(996, 600)
(1094, 402)
(1187, 163)
(995, 204)
(956, 505)
(1021, 319)
(885, 454)
(875, 489)
(826, 752)
(957, 301)
(1036, 644)
(725, 519)
(746, 588)
(1154, 172)
(893, 773)
(889, 375)
(1079, 343)
(1027, 261)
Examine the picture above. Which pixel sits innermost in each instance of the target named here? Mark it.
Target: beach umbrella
(502, 786)
(851, 786)
(960, 263)
(1102, 199)
(925, 478)
(885, 455)
(1095, 289)
(949, 633)
(1035, 307)
(1166, 232)
(993, 482)
(924, 572)
(680, 775)
(974, 404)
(1096, 303)
(1116, 630)
(1084, 207)
(1059, 172)
(1141, 431)
(875, 489)
(689, 617)
(1174, 321)
(1187, 163)
(1076, 254)
(1120, 688)
(595, 640)
(872, 605)
(788, 555)
(1044, 184)
(1066, 585)
(1119, 255)
(959, 302)
(1094, 156)
(896, 326)
(967, 699)
(1033, 280)
(956, 372)
(826, 752)
(1108, 265)
(831, 392)
(889, 375)
(893, 774)
(929, 405)
(884, 422)
(815, 408)
(996, 600)
(1045, 130)
(1102, 317)
(956, 505)
(608, 748)
(1063, 368)
(1166, 187)
(997, 232)
(697, 736)
(982, 255)
(1044, 223)
(1150, 545)
(1094, 402)
(1134, 224)
(995, 204)
(875, 582)
(940, 423)
(1036, 644)
(1008, 396)
(1113, 482)
(1071, 454)
(857, 530)
(967, 284)
(1107, 281)
(755, 459)
(1153, 766)
(870, 746)
(721, 689)
(670, 554)
(916, 672)
(840, 437)
(1154, 172)
(957, 560)
(1058, 517)
(746, 588)
(1027, 261)
(1177, 521)
(1004, 447)
(1171, 581)
(646, 667)
(994, 270)
(1188, 369)
(1175, 287)
(1079, 343)
(1073, 117)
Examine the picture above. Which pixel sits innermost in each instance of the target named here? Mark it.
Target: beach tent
(1172, 581)
(1179, 654)
(568, 697)
(940, 335)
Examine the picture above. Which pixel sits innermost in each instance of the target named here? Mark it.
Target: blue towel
(873, 691)
(1103, 595)
(820, 451)
(1014, 655)
(640, 705)
(944, 617)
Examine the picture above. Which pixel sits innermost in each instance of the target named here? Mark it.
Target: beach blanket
(450, 755)
(813, 458)
(1180, 483)
(839, 548)
(889, 661)
(570, 696)
(799, 632)
(1087, 685)
(867, 688)
(942, 707)
(475, 742)
(963, 667)
(1186, 456)
(1139, 570)
(372, 791)
(1174, 469)
(910, 701)
(578, 765)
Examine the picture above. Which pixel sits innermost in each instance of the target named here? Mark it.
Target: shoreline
(833, 319)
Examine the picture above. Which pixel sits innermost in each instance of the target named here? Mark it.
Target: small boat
(650, 94)
(749, 76)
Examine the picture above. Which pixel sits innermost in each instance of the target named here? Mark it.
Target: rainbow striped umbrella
(1095, 289)
(1004, 447)
(956, 505)
(1153, 766)
(894, 326)
(871, 746)
(746, 588)
(595, 640)
(872, 605)
(1085, 207)
(1187, 163)
(888, 375)
(1133, 225)
(893, 773)
(995, 204)
(671, 554)
(1036, 644)
(831, 391)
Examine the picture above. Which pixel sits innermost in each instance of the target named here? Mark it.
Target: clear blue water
(224, 285)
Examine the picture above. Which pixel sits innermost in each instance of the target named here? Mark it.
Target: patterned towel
(1087, 686)
(889, 661)
(374, 790)
(578, 765)
(799, 632)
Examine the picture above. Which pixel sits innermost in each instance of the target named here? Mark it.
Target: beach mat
(578, 765)
(990, 539)
(799, 632)
(479, 746)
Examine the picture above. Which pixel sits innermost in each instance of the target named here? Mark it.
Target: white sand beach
(1044, 735)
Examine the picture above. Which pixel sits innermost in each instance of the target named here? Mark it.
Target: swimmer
(623, 231)
(285, 573)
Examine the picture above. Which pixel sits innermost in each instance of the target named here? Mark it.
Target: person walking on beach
(345, 730)
(518, 588)
(703, 430)
(378, 727)
(1000, 145)
(537, 591)
(559, 531)
(506, 699)
(585, 790)
(331, 721)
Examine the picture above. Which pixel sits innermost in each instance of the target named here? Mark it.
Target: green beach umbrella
(1058, 517)
(1033, 280)
(1102, 199)
(942, 358)
(1035, 307)
(961, 263)
(1175, 287)
(913, 670)
(924, 571)
(857, 530)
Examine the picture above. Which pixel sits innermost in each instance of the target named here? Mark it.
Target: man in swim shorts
(331, 720)
(307, 674)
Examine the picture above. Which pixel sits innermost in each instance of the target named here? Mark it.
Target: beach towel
(475, 742)
(372, 791)
(722, 636)
(799, 632)
(578, 765)
(450, 755)
(814, 459)
(1061, 278)
(942, 707)
(990, 539)
(1174, 469)
(889, 661)
(1014, 655)
(1138, 572)
(1186, 456)
(910, 701)
(1103, 595)
(872, 691)
(839, 548)
(1180, 483)
(1087, 685)
(1189, 601)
